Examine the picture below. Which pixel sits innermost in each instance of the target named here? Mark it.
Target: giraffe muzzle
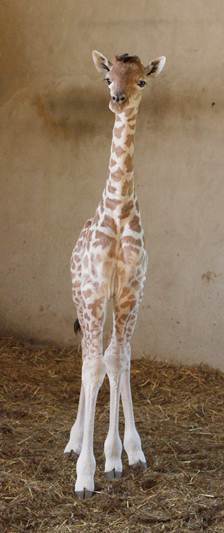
(117, 104)
(119, 98)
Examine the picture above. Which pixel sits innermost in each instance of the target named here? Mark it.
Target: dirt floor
(180, 416)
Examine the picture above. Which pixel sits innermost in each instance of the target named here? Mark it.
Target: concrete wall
(55, 141)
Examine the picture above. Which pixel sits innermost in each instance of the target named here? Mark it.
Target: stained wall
(55, 132)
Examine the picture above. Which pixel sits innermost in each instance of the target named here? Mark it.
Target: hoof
(113, 474)
(72, 449)
(140, 465)
(84, 494)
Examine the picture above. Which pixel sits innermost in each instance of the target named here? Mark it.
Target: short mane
(125, 58)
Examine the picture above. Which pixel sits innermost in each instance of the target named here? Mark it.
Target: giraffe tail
(77, 326)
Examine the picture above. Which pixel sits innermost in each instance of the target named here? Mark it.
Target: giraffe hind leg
(76, 434)
(93, 373)
(117, 359)
(132, 440)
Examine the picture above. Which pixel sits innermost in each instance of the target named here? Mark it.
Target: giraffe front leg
(76, 434)
(115, 362)
(132, 441)
(126, 316)
(93, 373)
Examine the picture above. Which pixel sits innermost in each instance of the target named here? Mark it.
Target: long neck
(119, 187)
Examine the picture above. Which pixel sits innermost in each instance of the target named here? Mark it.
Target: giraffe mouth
(116, 107)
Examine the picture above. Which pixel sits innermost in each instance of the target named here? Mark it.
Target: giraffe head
(126, 78)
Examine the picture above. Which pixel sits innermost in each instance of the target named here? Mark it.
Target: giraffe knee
(93, 371)
(116, 359)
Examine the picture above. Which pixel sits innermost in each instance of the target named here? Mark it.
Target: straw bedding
(180, 416)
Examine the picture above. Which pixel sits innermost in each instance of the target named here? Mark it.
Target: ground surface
(179, 413)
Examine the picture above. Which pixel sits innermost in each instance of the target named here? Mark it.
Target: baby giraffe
(109, 261)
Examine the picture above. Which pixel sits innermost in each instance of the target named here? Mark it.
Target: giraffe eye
(141, 83)
(108, 81)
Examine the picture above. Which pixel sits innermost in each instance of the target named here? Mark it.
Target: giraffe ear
(101, 62)
(155, 66)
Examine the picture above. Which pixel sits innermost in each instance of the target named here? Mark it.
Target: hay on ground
(180, 416)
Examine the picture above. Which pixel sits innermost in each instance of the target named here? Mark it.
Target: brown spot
(123, 317)
(124, 304)
(93, 269)
(129, 303)
(129, 140)
(132, 121)
(134, 224)
(116, 176)
(128, 252)
(125, 292)
(129, 163)
(118, 131)
(112, 162)
(109, 222)
(131, 240)
(119, 151)
(96, 306)
(127, 187)
(131, 124)
(112, 251)
(111, 189)
(129, 112)
(135, 284)
(101, 235)
(87, 224)
(87, 293)
(125, 211)
(105, 241)
(112, 204)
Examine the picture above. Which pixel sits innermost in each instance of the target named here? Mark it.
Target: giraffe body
(109, 255)
(109, 261)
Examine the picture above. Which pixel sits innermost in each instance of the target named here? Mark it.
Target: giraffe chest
(108, 268)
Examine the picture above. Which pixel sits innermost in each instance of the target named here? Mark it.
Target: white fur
(76, 434)
(93, 373)
(132, 441)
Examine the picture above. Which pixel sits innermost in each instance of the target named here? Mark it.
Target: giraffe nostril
(119, 97)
